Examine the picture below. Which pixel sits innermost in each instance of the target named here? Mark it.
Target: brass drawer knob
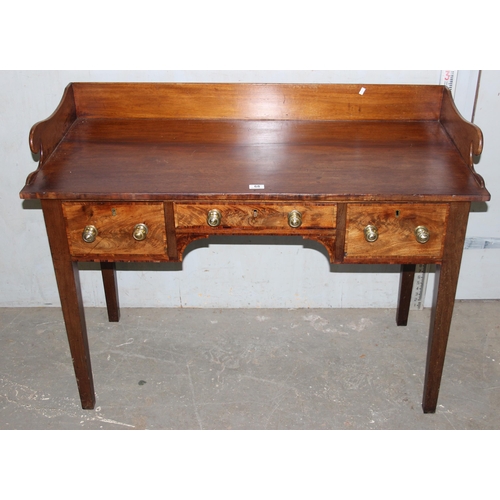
(214, 217)
(294, 218)
(89, 234)
(422, 234)
(371, 233)
(140, 232)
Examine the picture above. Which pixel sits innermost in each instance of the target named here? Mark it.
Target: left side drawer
(116, 231)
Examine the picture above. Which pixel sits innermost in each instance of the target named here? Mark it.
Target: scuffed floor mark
(276, 401)
(107, 421)
(360, 325)
(444, 412)
(129, 341)
(317, 322)
(223, 359)
(20, 394)
(101, 418)
(26, 397)
(195, 406)
(321, 324)
(262, 318)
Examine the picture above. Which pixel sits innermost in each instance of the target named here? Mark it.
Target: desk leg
(443, 302)
(108, 270)
(405, 289)
(68, 283)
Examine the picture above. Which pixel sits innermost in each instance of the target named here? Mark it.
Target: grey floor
(250, 369)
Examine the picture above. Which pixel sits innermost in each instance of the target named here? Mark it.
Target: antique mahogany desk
(376, 173)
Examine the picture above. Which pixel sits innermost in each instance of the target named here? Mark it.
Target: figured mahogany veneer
(396, 225)
(319, 161)
(263, 216)
(115, 223)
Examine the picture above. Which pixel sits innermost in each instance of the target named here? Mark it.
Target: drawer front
(115, 225)
(261, 216)
(393, 231)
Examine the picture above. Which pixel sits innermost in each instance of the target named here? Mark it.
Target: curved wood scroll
(478, 178)
(466, 136)
(47, 134)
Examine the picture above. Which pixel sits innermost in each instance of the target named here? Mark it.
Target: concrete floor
(250, 369)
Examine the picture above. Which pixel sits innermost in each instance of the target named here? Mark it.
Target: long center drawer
(259, 216)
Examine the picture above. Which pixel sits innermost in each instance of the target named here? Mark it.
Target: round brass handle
(294, 218)
(140, 232)
(371, 233)
(422, 234)
(214, 217)
(89, 234)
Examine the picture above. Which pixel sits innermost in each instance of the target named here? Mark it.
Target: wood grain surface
(115, 224)
(396, 239)
(256, 216)
(258, 101)
(301, 160)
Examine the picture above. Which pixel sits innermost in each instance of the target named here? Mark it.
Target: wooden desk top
(110, 141)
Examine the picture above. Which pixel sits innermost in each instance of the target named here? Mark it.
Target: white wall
(480, 272)
(263, 272)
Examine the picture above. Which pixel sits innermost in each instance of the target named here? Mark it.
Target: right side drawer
(395, 232)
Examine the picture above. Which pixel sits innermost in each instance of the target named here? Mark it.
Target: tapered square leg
(443, 302)
(405, 289)
(108, 270)
(68, 283)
